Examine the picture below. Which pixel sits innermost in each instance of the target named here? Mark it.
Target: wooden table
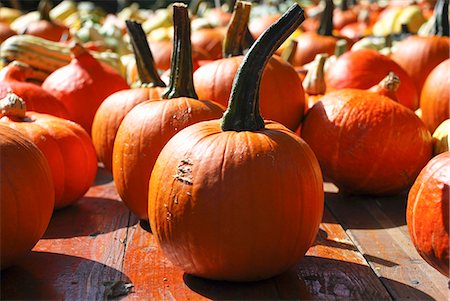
(97, 250)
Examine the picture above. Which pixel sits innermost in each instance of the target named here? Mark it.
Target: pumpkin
(344, 15)
(441, 138)
(210, 40)
(26, 196)
(218, 16)
(276, 202)
(418, 55)
(364, 68)
(116, 106)
(14, 76)
(282, 96)
(147, 127)
(67, 147)
(388, 86)
(314, 82)
(258, 25)
(83, 84)
(373, 145)
(393, 17)
(5, 32)
(45, 27)
(427, 213)
(435, 96)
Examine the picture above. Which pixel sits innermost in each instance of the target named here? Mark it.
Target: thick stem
(248, 40)
(230, 5)
(44, 8)
(388, 86)
(243, 107)
(144, 59)
(441, 26)
(194, 5)
(326, 22)
(288, 53)
(13, 106)
(232, 46)
(181, 80)
(341, 47)
(314, 82)
(344, 5)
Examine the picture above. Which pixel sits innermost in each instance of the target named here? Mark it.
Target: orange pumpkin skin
(435, 97)
(47, 30)
(110, 115)
(365, 68)
(5, 32)
(209, 39)
(26, 196)
(367, 143)
(68, 149)
(280, 82)
(162, 52)
(141, 136)
(257, 26)
(310, 44)
(427, 213)
(218, 198)
(419, 55)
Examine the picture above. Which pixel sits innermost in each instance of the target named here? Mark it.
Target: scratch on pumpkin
(184, 172)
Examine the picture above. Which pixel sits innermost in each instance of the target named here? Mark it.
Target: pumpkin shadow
(90, 216)
(51, 276)
(313, 278)
(103, 176)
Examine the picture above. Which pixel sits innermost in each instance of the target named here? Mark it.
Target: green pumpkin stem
(341, 47)
(144, 59)
(344, 5)
(288, 53)
(326, 21)
(181, 82)
(243, 113)
(248, 40)
(194, 5)
(230, 5)
(44, 8)
(13, 106)
(237, 27)
(441, 26)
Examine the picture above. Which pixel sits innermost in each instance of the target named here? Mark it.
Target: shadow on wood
(103, 176)
(52, 276)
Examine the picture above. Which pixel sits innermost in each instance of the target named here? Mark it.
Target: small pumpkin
(148, 126)
(314, 82)
(27, 196)
(115, 107)
(435, 96)
(427, 213)
(276, 204)
(67, 147)
(344, 15)
(83, 84)
(14, 76)
(441, 138)
(373, 145)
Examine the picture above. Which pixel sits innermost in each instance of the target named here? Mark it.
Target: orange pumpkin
(441, 138)
(5, 32)
(210, 40)
(435, 96)
(146, 128)
(366, 143)
(115, 107)
(276, 202)
(427, 213)
(26, 196)
(388, 86)
(67, 147)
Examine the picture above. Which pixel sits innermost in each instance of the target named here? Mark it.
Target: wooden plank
(378, 228)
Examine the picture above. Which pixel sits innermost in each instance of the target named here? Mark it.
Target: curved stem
(326, 22)
(243, 107)
(288, 53)
(144, 59)
(232, 46)
(181, 81)
(248, 40)
(12, 105)
(44, 8)
(314, 82)
(441, 26)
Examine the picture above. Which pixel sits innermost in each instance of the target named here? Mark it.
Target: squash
(222, 192)
(441, 138)
(5, 32)
(392, 18)
(427, 213)
(27, 196)
(67, 147)
(373, 145)
(435, 96)
(83, 85)
(314, 82)
(115, 107)
(148, 126)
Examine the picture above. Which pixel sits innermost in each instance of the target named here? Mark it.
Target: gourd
(276, 203)
(441, 138)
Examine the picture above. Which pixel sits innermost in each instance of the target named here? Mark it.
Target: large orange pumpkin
(366, 143)
(26, 196)
(435, 96)
(427, 213)
(65, 144)
(241, 200)
(146, 129)
(115, 107)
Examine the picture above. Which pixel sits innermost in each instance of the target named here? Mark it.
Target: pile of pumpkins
(221, 142)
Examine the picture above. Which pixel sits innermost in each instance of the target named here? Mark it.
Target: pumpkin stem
(231, 5)
(388, 86)
(441, 26)
(181, 82)
(314, 82)
(144, 59)
(326, 21)
(194, 5)
(341, 47)
(243, 113)
(248, 40)
(44, 8)
(288, 53)
(232, 45)
(344, 5)
(12, 105)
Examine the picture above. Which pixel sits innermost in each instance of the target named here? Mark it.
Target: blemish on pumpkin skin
(184, 171)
